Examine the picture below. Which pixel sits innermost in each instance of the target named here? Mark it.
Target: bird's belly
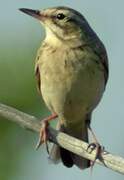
(72, 92)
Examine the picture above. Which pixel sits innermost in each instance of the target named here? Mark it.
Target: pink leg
(43, 131)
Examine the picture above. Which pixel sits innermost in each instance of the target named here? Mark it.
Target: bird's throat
(55, 41)
(52, 38)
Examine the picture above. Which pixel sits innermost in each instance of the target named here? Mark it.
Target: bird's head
(61, 22)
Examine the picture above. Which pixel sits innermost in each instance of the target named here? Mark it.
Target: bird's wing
(37, 71)
(100, 51)
(104, 60)
(37, 75)
(105, 64)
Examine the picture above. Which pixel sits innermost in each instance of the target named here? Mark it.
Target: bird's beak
(34, 13)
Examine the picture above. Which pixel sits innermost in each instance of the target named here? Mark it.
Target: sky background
(20, 37)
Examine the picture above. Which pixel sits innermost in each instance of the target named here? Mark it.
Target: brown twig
(72, 144)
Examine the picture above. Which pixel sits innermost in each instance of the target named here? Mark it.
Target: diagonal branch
(72, 144)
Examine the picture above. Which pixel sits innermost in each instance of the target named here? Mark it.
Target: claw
(43, 139)
(43, 136)
(93, 146)
(99, 150)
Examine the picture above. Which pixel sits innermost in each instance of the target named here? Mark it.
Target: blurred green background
(20, 37)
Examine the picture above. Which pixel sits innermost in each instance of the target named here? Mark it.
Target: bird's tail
(68, 158)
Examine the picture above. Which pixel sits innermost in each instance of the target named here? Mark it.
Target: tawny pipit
(72, 71)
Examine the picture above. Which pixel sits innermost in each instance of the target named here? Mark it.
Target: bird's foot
(43, 136)
(99, 149)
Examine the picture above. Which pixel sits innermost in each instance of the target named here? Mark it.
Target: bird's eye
(60, 16)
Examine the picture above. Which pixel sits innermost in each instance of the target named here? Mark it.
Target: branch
(72, 144)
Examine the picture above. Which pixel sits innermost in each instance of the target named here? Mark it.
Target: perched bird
(71, 68)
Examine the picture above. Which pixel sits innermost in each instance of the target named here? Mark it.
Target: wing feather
(38, 79)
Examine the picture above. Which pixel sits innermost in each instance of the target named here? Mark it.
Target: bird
(71, 70)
